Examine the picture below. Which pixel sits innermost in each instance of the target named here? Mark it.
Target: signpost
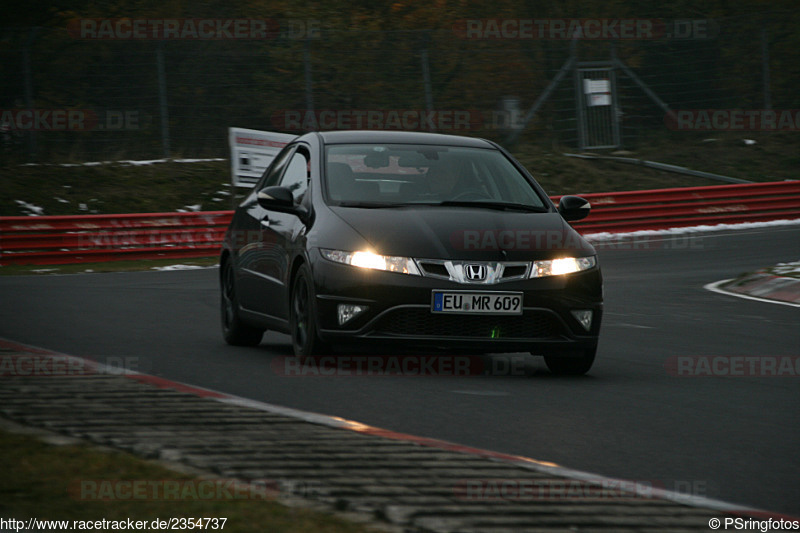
(251, 153)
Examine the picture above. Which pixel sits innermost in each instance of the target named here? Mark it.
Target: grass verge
(785, 270)
(169, 186)
(43, 481)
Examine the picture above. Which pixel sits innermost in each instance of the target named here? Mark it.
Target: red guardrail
(94, 238)
(90, 238)
(691, 206)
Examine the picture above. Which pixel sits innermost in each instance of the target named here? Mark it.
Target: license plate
(484, 303)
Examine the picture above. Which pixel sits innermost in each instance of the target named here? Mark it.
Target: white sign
(598, 92)
(599, 99)
(596, 86)
(251, 153)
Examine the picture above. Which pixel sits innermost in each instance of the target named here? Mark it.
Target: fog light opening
(348, 312)
(584, 317)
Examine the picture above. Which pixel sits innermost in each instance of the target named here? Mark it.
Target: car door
(253, 250)
(278, 236)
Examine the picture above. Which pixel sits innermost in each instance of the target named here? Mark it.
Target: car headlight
(363, 259)
(564, 265)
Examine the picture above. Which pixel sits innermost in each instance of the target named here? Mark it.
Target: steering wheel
(471, 194)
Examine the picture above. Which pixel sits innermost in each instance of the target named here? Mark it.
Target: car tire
(571, 366)
(302, 317)
(235, 332)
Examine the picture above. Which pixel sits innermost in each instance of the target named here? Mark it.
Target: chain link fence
(98, 90)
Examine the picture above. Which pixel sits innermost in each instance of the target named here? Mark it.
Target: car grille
(422, 323)
(435, 269)
(455, 270)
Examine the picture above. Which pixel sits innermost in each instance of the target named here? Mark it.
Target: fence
(87, 238)
(89, 89)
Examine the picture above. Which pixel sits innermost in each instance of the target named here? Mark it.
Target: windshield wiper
(372, 205)
(504, 206)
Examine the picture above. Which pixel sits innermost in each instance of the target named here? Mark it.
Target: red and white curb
(544, 467)
(762, 288)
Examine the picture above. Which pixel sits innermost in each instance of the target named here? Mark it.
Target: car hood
(433, 232)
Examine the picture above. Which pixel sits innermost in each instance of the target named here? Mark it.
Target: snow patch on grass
(606, 236)
(789, 270)
(182, 267)
(33, 210)
(126, 162)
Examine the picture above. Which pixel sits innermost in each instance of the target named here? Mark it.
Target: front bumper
(399, 311)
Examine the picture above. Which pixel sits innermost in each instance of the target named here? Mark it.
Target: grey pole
(28, 88)
(307, 74)
(162, 100)
(426, 77)
(765, 68)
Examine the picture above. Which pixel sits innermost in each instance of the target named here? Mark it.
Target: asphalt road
(725, 437)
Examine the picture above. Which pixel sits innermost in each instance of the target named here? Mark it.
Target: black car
(415, 238)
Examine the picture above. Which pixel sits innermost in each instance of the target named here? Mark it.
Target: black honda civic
(410, 239)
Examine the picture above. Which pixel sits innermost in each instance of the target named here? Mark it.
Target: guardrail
(54, 240)
(92, 238)
(691, 206)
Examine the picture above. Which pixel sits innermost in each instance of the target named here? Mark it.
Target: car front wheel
(235, 332)
(302, 318)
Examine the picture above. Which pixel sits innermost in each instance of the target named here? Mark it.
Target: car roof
(400, 137)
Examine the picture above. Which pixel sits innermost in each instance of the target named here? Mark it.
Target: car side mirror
(573, 208)
(275, 198)
(280, 199)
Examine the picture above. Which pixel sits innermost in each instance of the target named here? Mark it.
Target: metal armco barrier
(54, 240)
(691, 206)
(96, 238)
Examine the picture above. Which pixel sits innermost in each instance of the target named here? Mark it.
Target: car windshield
(386, 175)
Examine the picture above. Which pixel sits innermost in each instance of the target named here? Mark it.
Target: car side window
(296, 176)
(274, 171)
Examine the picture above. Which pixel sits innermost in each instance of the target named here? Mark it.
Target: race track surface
(727, 437)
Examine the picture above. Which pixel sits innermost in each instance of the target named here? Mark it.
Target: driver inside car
(442, 179)
(446, 181)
